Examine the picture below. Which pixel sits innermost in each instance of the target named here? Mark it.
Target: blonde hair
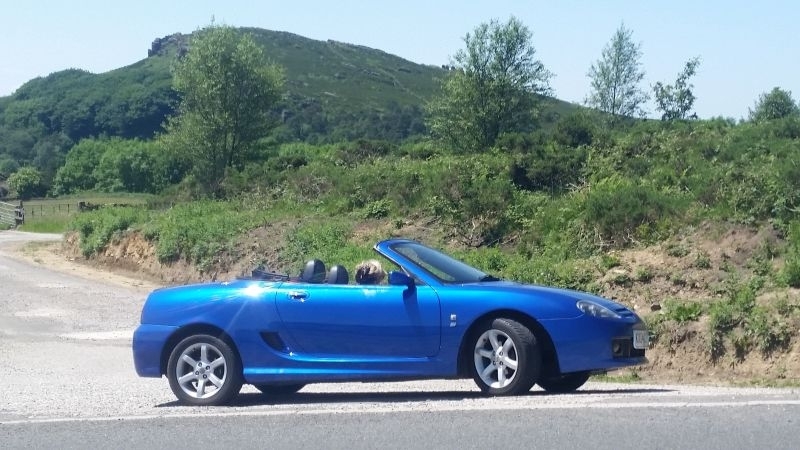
(370, 272)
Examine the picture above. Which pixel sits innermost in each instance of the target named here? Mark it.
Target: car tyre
(279, 389)
(564, 383)
(506, 358)
(204, 371)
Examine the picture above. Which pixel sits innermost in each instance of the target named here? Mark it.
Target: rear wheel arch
(548, 352)
(191, 330)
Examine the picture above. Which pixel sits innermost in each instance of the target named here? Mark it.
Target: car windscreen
(445, 268)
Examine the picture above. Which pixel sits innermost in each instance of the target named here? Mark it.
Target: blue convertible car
(437, 317)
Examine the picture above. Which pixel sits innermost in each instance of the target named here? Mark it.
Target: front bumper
(148, 345)
(593, 344)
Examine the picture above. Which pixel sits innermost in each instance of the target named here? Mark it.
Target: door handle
(299, 296)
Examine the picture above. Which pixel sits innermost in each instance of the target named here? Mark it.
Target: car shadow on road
(300, 398)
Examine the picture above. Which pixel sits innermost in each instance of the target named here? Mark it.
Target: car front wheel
(506, 358)
(203, 370)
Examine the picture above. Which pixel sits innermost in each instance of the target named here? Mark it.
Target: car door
(352, 321)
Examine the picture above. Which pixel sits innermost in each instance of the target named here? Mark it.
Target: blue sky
(746, 47)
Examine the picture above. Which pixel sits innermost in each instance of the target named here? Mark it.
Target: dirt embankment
(696, 268)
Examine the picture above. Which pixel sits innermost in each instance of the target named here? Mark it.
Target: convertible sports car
(436, 318)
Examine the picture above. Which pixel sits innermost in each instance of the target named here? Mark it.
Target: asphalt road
(69, 382)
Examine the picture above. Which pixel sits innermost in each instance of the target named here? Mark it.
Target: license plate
(641, 339)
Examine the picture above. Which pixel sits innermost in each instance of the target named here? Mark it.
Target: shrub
(790, 274)
(328, 241)
(550, 168)
(575, 130)
(26, 183)
(643, 274)
(377, 209)
(702, 261)
(766, 333)
(199, 231)
(471, 196)
(97, 228)
(683, 311)
(363, 150)
(621, 211)
(677, 250)
(609, 261)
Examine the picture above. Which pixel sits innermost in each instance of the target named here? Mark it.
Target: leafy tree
(7, 167)
(77, 173)
(576, 129)
(228, 88)
(26, 182)
(775, 104)
(494, 88)
(130, 166)
(616, 77)
(676, 101)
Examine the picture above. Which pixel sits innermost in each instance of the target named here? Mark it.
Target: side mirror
(397, 278)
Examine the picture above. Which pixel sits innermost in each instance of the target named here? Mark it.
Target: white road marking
(99, 335)
(40, 312)
(195, 412)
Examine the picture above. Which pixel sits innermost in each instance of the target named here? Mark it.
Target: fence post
(19, 214)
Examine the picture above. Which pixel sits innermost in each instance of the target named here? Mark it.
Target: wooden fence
(11, 214)
(41, 210)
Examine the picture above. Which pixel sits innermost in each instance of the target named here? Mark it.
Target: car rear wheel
(204, 370)
(279, 389)
(506, 358)
(564, 383)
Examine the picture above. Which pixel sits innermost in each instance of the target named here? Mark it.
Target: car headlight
(596, 310)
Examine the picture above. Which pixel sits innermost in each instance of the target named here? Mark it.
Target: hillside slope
(334, 91)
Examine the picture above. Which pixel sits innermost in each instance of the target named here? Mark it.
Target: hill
(335, 91)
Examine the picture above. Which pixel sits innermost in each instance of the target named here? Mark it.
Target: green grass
(53, 224)
(55, 213)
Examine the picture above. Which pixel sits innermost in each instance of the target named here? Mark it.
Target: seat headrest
(338, 275)
(314, 272)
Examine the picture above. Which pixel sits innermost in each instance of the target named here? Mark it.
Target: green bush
(790, 274)
(26, 183)
(621, 211)
(767, 334)
(327, 240)
(684, 311)
(644, 274)
(549, 167)
(471, 197)
(702, 261)
(199, 231)
(97, 228)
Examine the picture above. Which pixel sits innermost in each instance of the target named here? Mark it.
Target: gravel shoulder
(46, 251)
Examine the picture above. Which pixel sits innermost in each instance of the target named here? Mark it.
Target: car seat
(338, 275)
(314, 272)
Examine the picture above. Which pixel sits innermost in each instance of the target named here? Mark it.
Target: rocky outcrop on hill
(173, 44)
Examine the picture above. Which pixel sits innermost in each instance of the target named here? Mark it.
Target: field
(52, 215)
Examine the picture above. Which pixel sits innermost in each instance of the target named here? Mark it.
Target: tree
(228, 88)
(7, 167)
(775, 104)
(676, 101)
(495, 88)
(26, 182)
(77, 173)
(616, 77)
